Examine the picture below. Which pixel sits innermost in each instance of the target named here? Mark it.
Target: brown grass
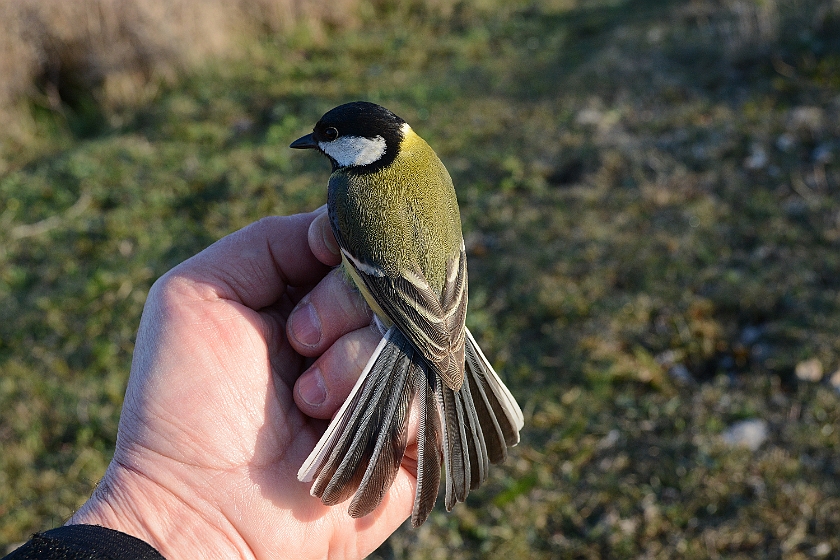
(119, 51)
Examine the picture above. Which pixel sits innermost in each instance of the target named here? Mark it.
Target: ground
(649, 194)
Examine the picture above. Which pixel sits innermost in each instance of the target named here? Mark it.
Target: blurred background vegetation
(650, 198)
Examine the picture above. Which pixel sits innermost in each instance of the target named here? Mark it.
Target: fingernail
(312, 388)
(329, 241)
(306, 325)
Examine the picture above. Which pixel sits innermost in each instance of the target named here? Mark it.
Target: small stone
(808, 119)
(835, 379)
(822, 549)
(751, 334)
(589, 117)
(822, 154)
(746, 433)
(785, 142)
(609, 440)
(809, 370)
(757, 159)
(681, 374)
(666, 358)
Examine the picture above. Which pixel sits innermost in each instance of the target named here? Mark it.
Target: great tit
(393, 210)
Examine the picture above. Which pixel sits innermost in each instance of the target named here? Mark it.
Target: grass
(88, 62)
(649, 192)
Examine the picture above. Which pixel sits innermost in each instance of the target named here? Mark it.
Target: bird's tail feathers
(360, 453)
(481, 420)
(428, 448)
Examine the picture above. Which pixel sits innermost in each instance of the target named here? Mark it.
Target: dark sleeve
(89, 542)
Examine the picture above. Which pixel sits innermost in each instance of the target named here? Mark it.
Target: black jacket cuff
(75, 542)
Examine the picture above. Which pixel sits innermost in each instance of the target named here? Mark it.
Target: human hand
(217, 417)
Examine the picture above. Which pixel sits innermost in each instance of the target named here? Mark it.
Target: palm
(210, 405)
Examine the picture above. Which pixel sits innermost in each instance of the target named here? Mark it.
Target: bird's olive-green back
(402, 216)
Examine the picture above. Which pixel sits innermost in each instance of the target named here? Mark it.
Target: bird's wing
(434, 323)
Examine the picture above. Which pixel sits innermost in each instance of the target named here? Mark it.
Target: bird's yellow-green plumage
(415, 197)
(394, 213)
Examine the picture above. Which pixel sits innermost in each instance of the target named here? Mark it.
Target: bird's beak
(304, 142)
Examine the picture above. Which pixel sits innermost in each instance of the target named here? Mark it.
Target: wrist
(130, 502)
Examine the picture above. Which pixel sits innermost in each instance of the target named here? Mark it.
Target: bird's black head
(359, 136)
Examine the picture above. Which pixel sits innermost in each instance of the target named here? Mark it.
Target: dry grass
(61, 54)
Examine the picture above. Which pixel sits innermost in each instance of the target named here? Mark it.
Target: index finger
(255, 265)
(322, 241)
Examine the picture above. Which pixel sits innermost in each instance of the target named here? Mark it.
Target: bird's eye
(331, 133)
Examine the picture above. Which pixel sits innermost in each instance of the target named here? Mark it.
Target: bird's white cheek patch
(354, 150)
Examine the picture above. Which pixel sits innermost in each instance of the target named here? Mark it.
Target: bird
(394, 212)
